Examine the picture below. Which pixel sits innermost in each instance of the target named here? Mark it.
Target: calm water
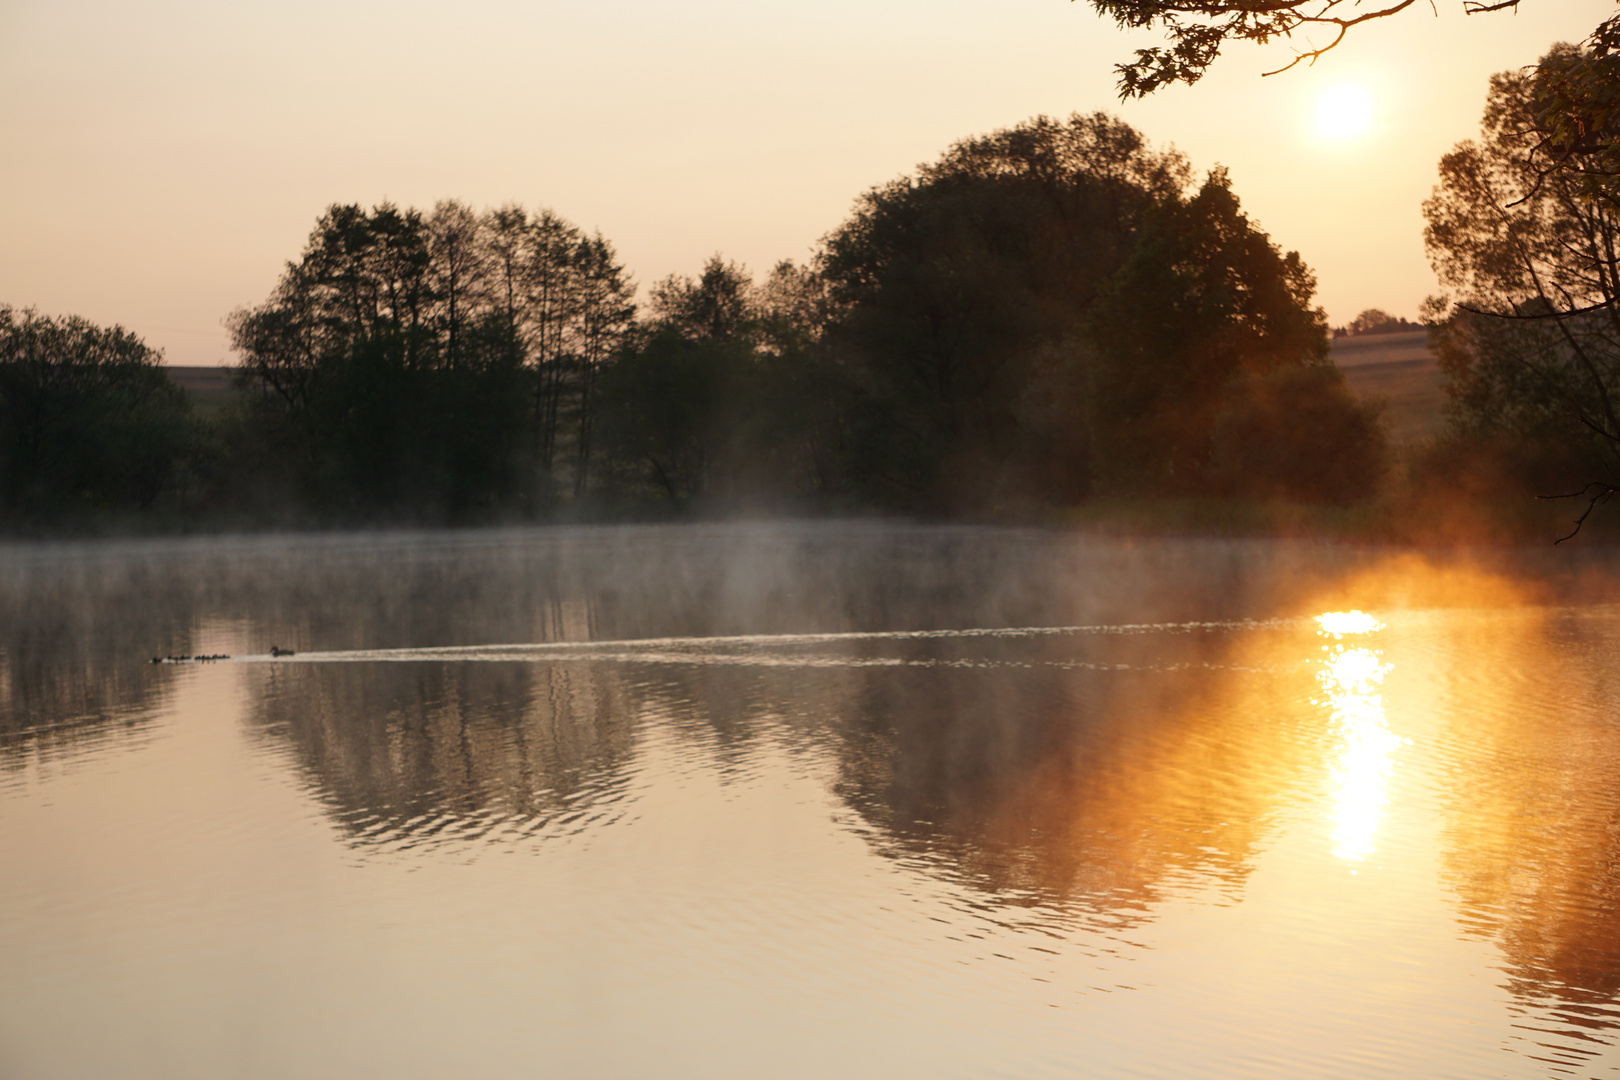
(806, 802)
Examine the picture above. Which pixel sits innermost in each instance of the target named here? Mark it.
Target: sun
(1343, 113)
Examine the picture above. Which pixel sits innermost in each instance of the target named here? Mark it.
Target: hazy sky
(162, 161)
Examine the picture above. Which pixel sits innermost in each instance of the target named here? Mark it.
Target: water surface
(806, 801)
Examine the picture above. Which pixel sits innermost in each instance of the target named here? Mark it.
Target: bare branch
(1594, 493)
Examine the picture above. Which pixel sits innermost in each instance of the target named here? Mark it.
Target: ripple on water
(1043, 851)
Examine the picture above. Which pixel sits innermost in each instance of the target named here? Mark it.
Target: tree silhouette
(89, 419)
(1378, 321)
(429, 366)
(1528, 329)
(1198, 29)
(1201, 341)
(723, 400)
(958, 297)
(1047, 311)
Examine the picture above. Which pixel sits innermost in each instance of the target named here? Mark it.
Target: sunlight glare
(1348, 622)
(1343, 113)
(1350, 677)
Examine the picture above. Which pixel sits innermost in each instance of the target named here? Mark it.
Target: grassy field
(210, 387)
(1399, 369)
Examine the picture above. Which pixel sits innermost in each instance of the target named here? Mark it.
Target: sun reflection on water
(1351, 675)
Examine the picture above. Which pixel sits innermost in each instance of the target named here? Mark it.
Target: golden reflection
(1158, 764)
(1531, 843)
(1339, 623)
(1350, 676)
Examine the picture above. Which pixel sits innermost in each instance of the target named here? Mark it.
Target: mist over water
(806, 800)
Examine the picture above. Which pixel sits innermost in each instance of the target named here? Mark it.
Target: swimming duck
(277, 650)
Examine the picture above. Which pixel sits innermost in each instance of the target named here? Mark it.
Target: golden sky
(161, 162)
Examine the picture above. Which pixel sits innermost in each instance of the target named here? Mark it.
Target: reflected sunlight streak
(1350, 677)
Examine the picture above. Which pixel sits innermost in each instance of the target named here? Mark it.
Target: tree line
(1375, 321)
(1047, 313)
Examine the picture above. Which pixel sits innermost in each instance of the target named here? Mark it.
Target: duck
(277, 650)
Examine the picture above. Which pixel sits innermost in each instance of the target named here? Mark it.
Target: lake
(807, 800)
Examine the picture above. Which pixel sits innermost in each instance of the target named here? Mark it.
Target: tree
(384, 370)
(1528, 328)
(505, 231)
(606, 311)
(551, 307)
(1211, 366)
(89, 420)
(1198, 29)
(718, 399)
(958, 298)
(1577, 114)
(715, 307)
(434, 365)
(1378, 321)
(459, 257)
(1048, 311)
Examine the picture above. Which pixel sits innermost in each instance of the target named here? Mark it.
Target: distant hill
(1350, 352)
(1401, 369)
(209, 387)
(201, 380)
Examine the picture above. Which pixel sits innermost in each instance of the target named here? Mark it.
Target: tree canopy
(1531, 309)
(1528, 326)
(440, 361)
(89, 420)
(1053, 309)
(1377, 321)
(722, 392)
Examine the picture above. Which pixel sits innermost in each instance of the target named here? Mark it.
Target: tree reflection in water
(1099, 784)
(1103, 772)
(1089, 766)
(412, 754)
(1099, 772)
(75, 629)
(1532, 833)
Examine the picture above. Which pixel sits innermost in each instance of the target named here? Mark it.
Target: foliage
(1197, 30)
(958, 296)
(432, 364)
(1046, 311)
(1377, 321)
(89, 420)
(1296, 433)
(1528, 330)
(1577, 114)
(713, 401)
(1204, 308)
